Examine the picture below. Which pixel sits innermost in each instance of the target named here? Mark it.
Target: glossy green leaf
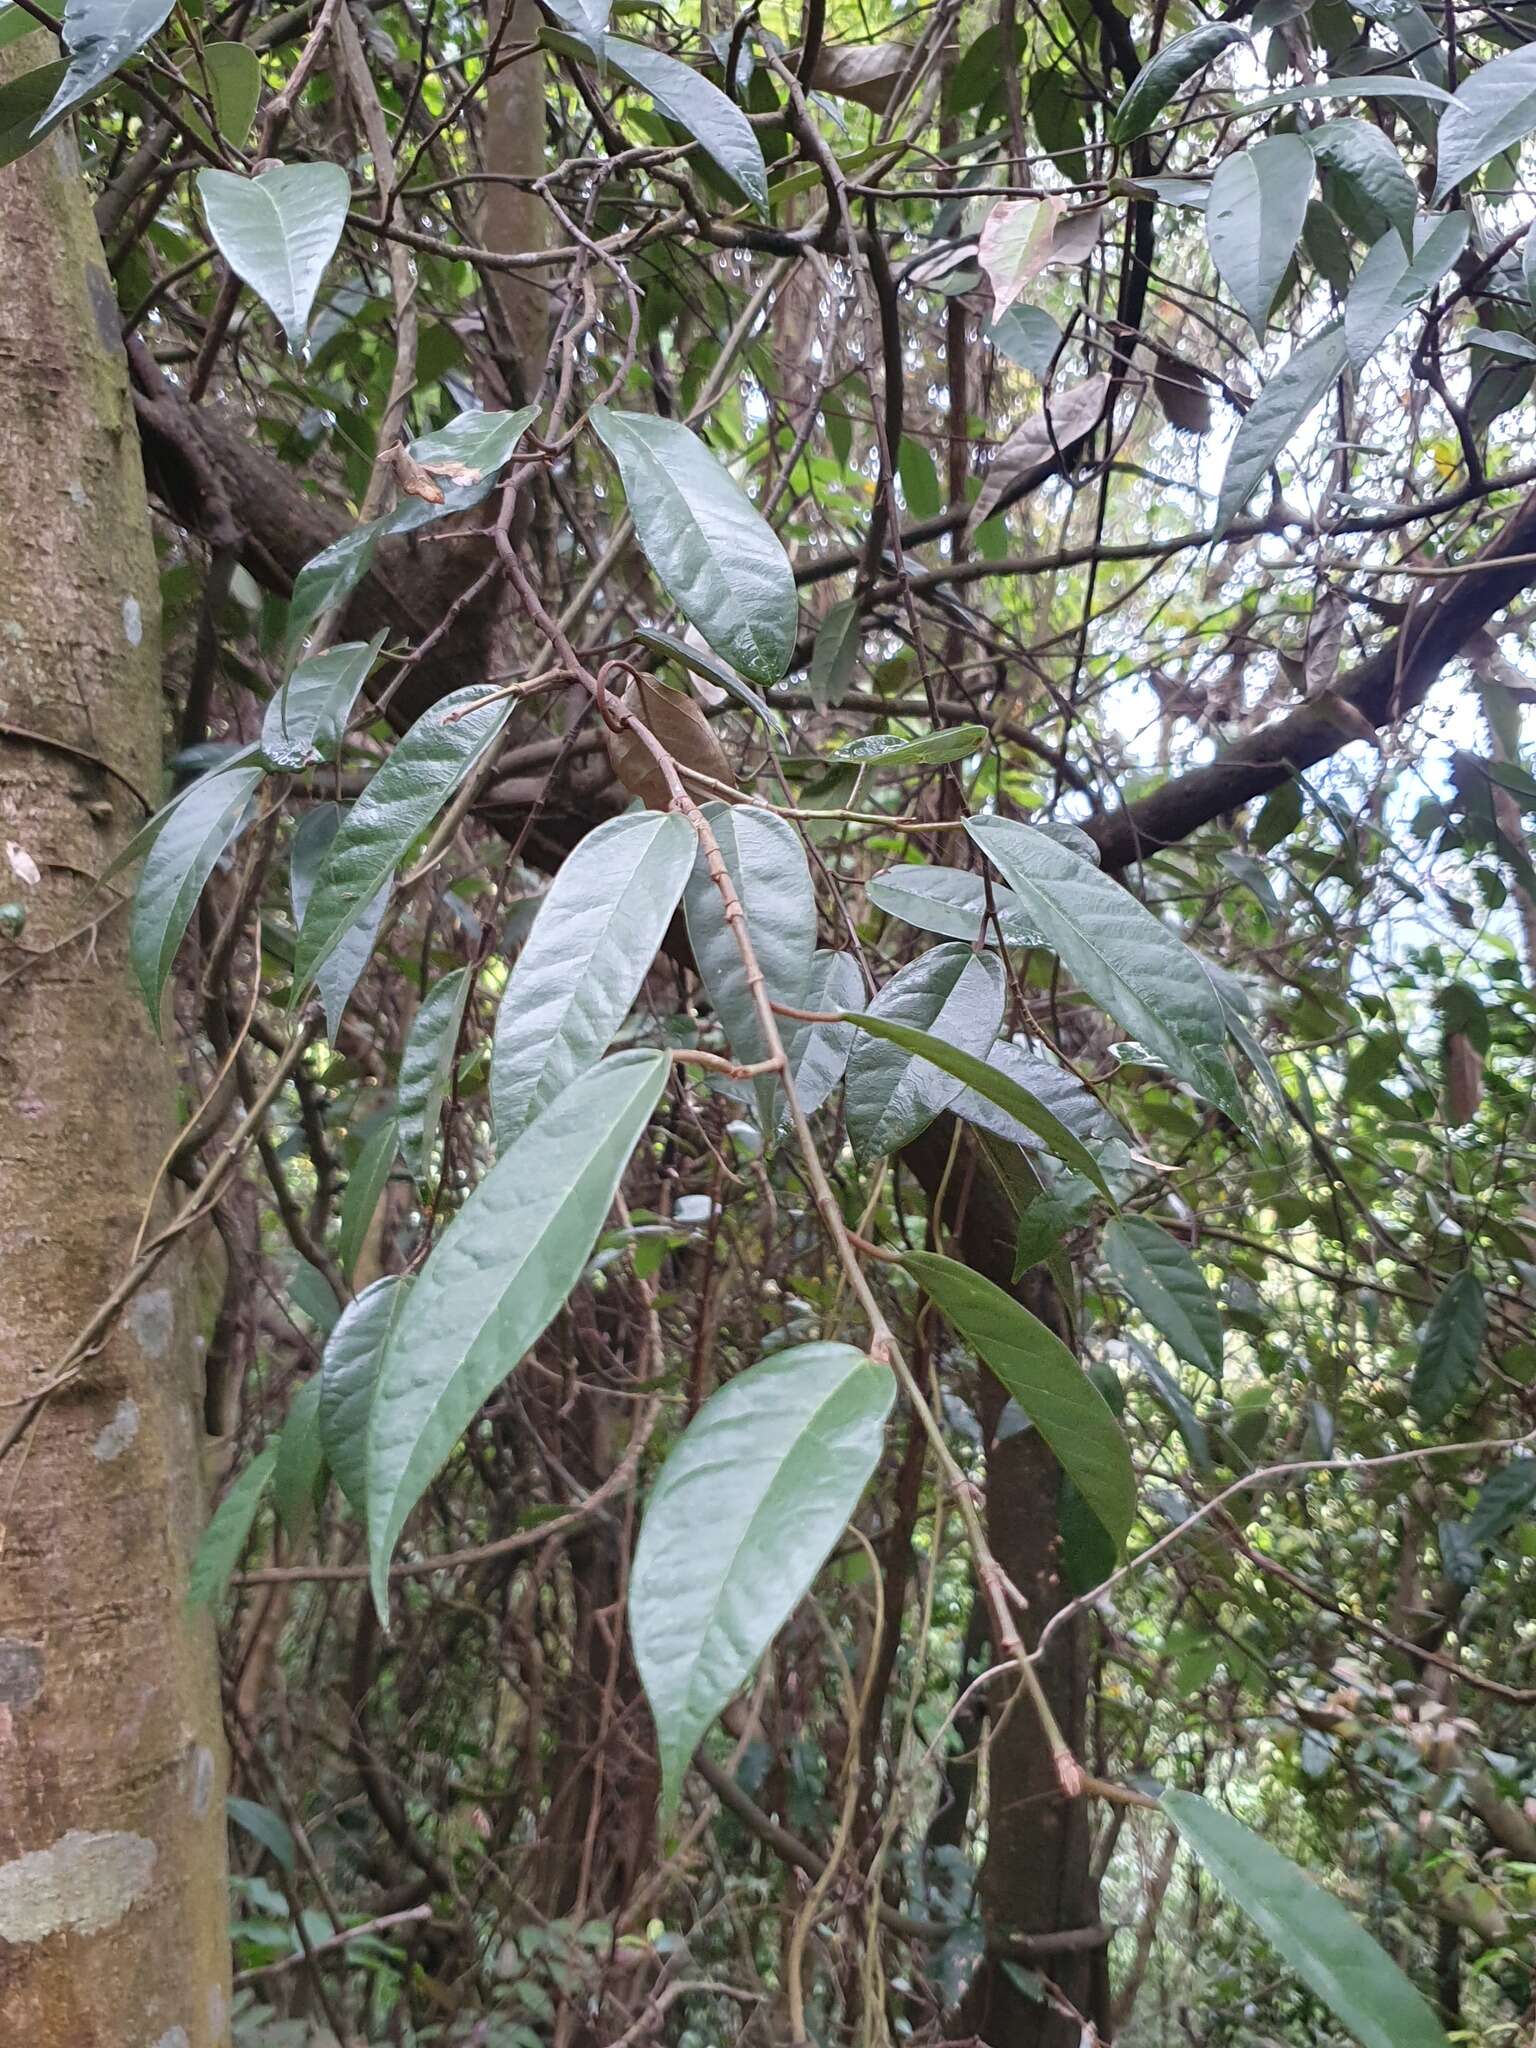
(1158, 81)
(1065, 1205)
(1528, 265)
(1179, 1406)
(263, 1826)
(15, 22)
(818, 1053)
(1317, 1937)
(337, 975)
(307, 719)
(180, 860)
(365, 1185)
(470, 452)
(994, 1083)
(1518, 347)
(835, 654)
(1063, 1094)
(426, 1069)
(718, 559)
(446, 744)
(949, 993)
(278, 232)
(234, 82)
(583, 963)
(1295, 390)
(1359, 153)
(349, 1371)
(1045, 1379)
(919, 479)
(1503, 1499)
(299, 1460)
(1450, 1348)
(700, 662)
(767, 866)
(495, 1279)
(951, 902)
(1028, 336)
(741, 1518)
(1119, 954)
(1166, 1285)
(331, 577)
(1492, 109)
(700, 109)
(588, 18)
(1390, 285)
(892, 750)
(1368, 86)
(224, 1539)
(1253, 220)
(22, 101)
(100, 35)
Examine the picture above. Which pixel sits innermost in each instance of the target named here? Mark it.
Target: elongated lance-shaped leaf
(995, 1084)
(1317, 1937)
(1167, 1286)
(1173, 66)
(469, 452)
(426, 1068)
(498, 1275)
(835, 654)
(225, 1536)
(891, 750)
(300, 1459)
(717, 557)
(702, 110)
(1122, 956)
(1295, 390)
(337, 975)
(818, 1053)
(1047, 1382)
(349, 1371)
(22, 101)
(768, 869)
(1492, 109)
(582, 964)
(1068, 1099)
(1359, 154)
(748, 1504)
(1391, 283)
(181, 858)
(365, 1184)
(948, 993)
(442, 747)
(278, 232)
(308, 716)
(1253, 220)
(1450, 1346)
(951, 902)
(100, 35)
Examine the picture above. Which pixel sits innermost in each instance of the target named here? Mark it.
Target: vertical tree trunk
(1037, 1877)
(112, 1895)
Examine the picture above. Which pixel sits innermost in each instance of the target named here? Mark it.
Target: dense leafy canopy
(849, 837)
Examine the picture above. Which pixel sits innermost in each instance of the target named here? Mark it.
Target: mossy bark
(113, 1913)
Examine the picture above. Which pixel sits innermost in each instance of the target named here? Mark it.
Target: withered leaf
(682, 729)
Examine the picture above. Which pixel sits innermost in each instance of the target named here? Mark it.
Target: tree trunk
(112, 1883)
(1037, 1877)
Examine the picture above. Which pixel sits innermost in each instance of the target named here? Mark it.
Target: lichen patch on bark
(79, 1885)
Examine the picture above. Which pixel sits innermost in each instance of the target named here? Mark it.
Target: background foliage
(1110, 429)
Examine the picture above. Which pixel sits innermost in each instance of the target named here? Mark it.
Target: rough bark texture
(113, 1918)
